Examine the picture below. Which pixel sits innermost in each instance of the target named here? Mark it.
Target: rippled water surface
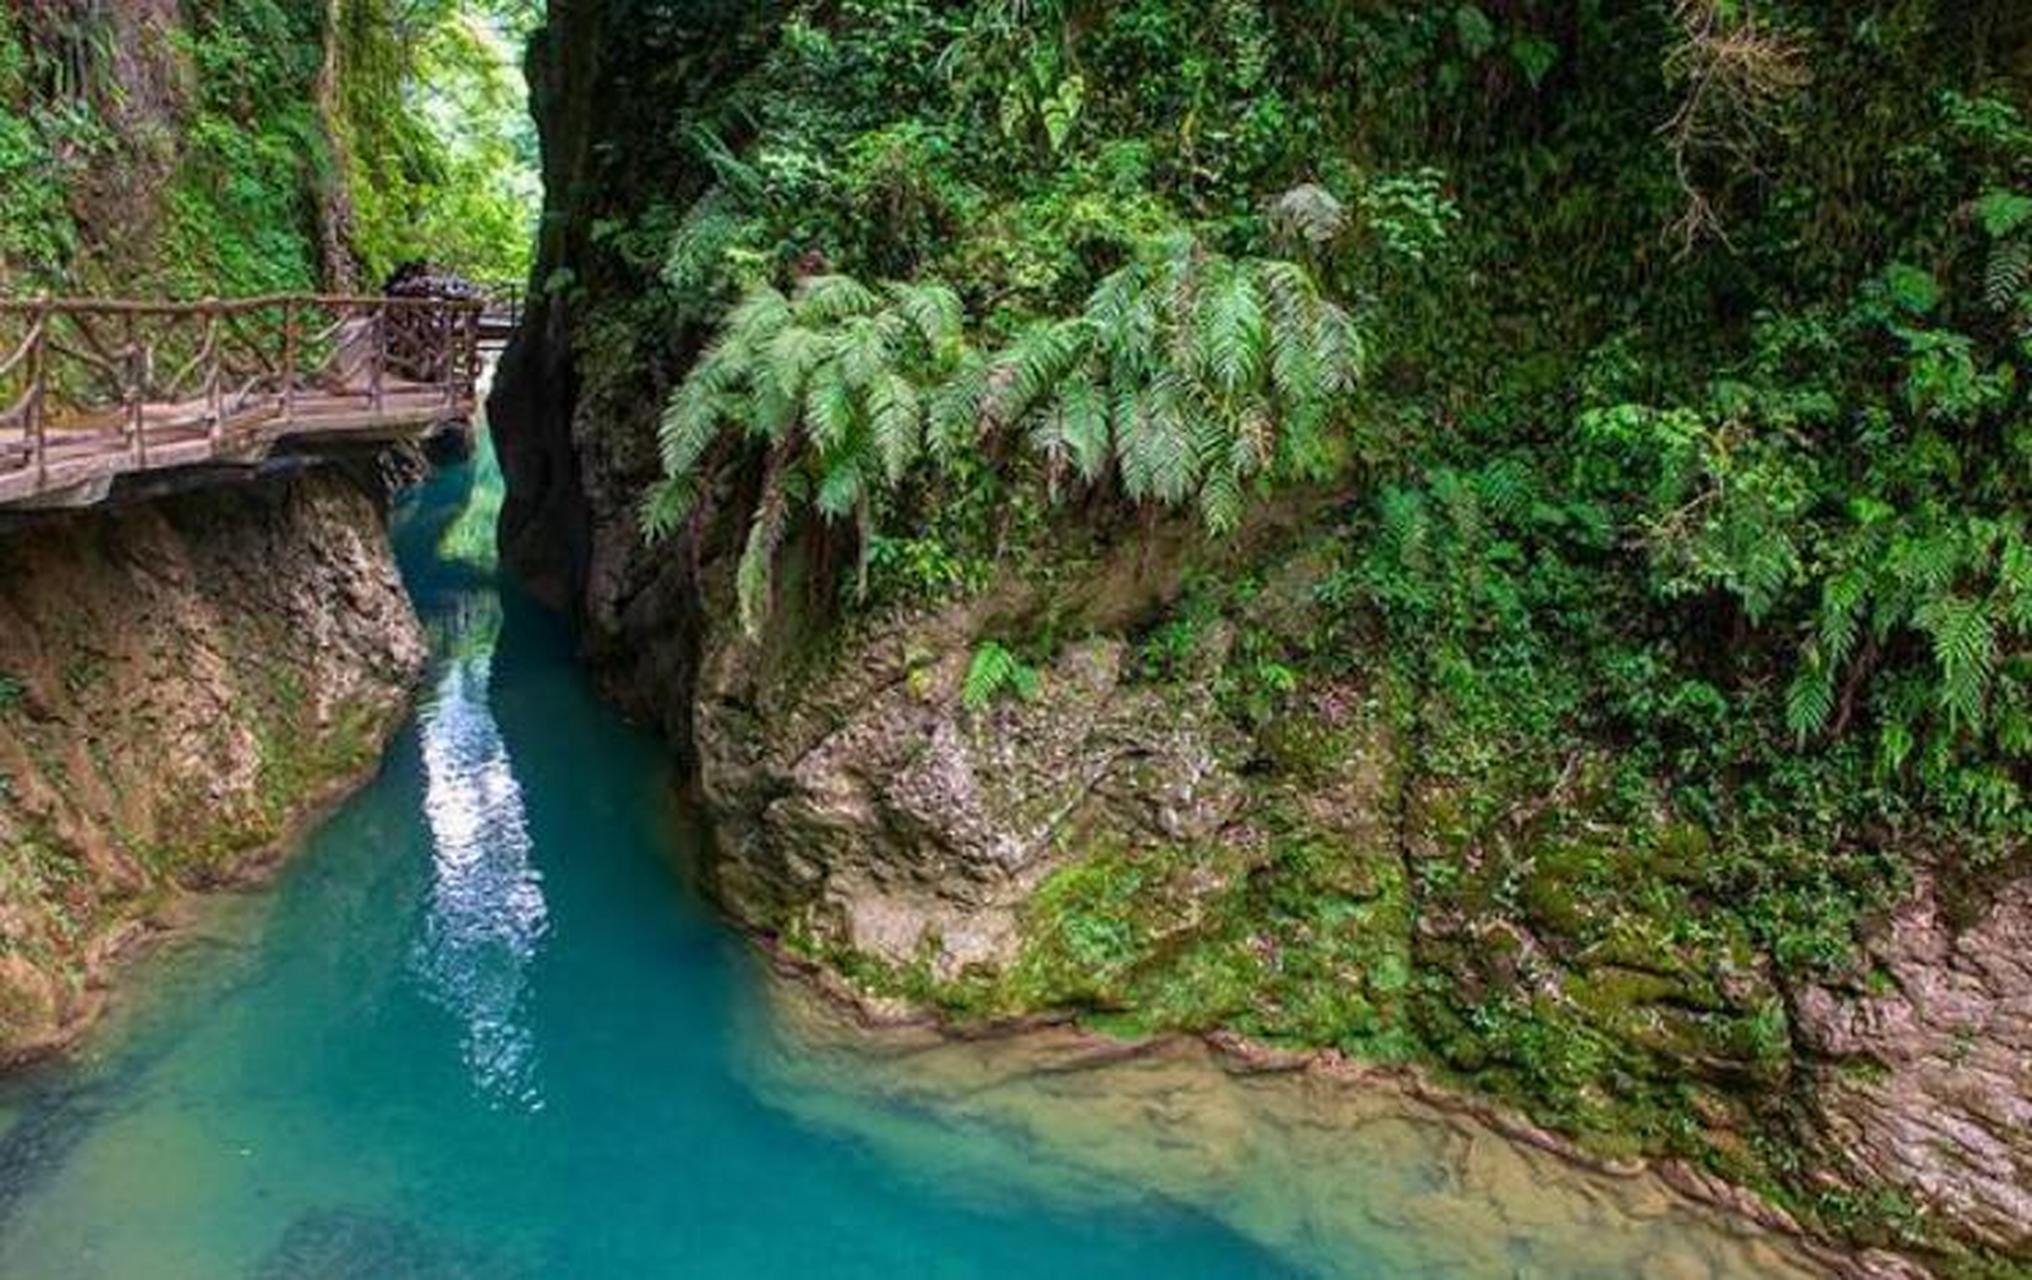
(481, 1028)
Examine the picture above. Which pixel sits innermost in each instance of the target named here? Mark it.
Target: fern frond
(1840, 623)
(1809, 699)
(690, 421)
(1220, 501)
(1965, 649)
(994, 670)
(1173, 463)
(840, 489)
(862, 351)
(1252, 446)
(829, 409)
(665, 505)
(1293, 306)
(770, 412)
(956, 407)
(2014, 577)
(761, 311)
(830, 299)
(1083, 427)
(933, 310)
(896, 418)
(1229, 333)
(1504, 489)
(1041, 356)
(2006, 274)
(792, 354)
(698, 249)
(1338, 349)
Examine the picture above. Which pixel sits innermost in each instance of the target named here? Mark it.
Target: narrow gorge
(1247, 638)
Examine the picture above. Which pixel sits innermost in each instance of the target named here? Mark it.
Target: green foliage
(1686, 474)
(1193, 377)
(49, 135)
(440, 150)
(199, 160)
(994, 671)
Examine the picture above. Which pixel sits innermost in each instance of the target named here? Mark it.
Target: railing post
(289, 340)
(38, 384)
(214, 407)
(136, 419)
(377, 394)
(448, 325)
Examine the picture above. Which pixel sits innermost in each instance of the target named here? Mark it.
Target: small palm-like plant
(831, 380)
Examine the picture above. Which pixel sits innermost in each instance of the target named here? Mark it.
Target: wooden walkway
(91, 391)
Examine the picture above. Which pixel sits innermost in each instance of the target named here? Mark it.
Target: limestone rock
(1927, 1083)
(179, 680)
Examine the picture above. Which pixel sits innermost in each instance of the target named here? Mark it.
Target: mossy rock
(1560, 892)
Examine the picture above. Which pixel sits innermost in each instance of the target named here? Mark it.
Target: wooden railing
(90, 387)
(503, 313)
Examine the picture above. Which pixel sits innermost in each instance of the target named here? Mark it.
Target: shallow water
(481, 1027)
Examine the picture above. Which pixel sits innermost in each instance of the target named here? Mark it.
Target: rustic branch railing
(90, 386)
(502, 314)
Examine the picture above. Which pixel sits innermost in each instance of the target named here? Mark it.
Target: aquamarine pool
(480, 1027)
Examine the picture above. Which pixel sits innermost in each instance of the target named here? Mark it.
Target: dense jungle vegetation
(1661, 363)
(1689, 378)
(230, 147)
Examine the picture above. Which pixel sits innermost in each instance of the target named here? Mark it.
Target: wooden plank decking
(96, 390)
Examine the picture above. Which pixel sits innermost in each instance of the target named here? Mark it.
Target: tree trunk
(332, 193)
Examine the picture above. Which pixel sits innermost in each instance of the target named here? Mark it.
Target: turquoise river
(481, 1026)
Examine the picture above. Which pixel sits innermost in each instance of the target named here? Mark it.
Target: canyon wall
(182, 683)
(1211, 809)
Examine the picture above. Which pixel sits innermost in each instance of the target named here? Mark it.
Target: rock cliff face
(577, 393)
(867, 806)
(1926, 1079)
(873, 821)
(1124, 843)
(181, 682)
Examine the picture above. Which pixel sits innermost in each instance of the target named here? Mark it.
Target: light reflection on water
(486, 915)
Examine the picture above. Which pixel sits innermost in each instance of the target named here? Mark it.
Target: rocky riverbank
(1308, 1152)
(1340, 785)
(183, 683)
(1118, 844)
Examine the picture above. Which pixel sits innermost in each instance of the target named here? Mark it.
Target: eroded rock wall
(181, 682)
(1924, 1068)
